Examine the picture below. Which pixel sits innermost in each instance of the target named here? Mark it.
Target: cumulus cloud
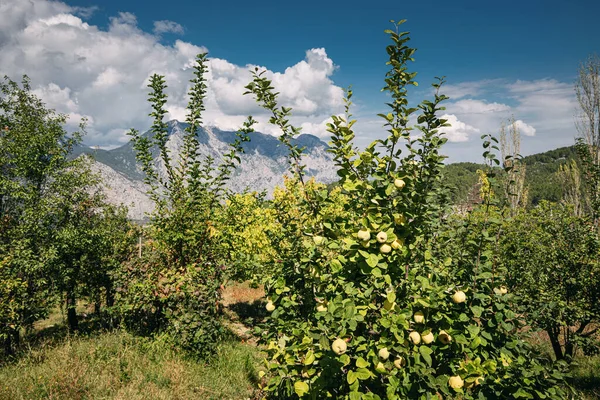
(458, 131)
(166, 26)
(524, 128)
(87, 71)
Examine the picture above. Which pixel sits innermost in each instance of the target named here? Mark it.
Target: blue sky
(501, 59)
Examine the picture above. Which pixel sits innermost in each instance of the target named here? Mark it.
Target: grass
(117, 365)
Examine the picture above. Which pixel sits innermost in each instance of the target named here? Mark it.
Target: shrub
(370, 304)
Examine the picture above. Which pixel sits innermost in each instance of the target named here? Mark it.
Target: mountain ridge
(262, 166)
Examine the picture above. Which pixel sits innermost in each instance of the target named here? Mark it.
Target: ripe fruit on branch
(321, 308)
(427, 338)
(456, 382)
(384, 354)
(399, 362)
(385, 248)
(398, 243)
(382, 237)
(444, 337)
(339, 346)
(415, 337)
(380, 367)
(419, 317)
(459, 297)
(270, 306)
(501, 290)
(399, 183)
(364, 235)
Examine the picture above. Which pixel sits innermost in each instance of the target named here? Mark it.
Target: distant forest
(540, 177)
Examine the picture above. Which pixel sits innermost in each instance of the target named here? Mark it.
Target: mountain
(262, 166)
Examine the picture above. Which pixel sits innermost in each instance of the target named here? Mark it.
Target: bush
(370, 304)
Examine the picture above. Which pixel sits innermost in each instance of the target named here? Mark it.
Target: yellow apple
(399, 362)
(364, 235)
(459, 297)
(503, 290)
(380, 367)
(384, 354)
(444, 337)
(415, 337)
(456, 382)
(270, 306)
(339, 346)
(382, 237)
(427, 338)
(385, 248)
(398, 243)
(419, 317)
(321, 308)
(399, 183)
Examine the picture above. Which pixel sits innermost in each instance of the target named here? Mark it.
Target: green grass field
(118, 365)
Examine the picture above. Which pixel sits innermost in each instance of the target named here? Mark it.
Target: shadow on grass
(55, 334)
(249, 313)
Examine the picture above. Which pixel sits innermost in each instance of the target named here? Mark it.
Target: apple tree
(370, 305)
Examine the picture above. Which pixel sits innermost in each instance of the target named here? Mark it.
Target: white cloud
(466, 89)
(470, 106)
(458, 131)
(166, 26)
(84, 70)
(524, 128)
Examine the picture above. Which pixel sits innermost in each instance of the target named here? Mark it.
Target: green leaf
(426, 353)
(301, 388)
(362, 363)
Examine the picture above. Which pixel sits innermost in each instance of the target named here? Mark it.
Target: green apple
(384, 354)
(380, 367)
(444, 337)
(456, 382)
(399, 362)
(419, 317)
(270, 306)
(415, 337)
(427, 338)
(364, 235)
(399, 183)
(459, 297)
(398, 243)
(339, 346)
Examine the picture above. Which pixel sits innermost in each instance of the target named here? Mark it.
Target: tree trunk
(110, 296)
(71, 310)
(555, 343)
